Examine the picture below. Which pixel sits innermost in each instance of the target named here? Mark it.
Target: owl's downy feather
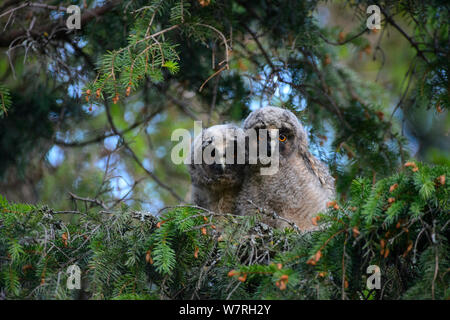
(215, 186)
(301, 187)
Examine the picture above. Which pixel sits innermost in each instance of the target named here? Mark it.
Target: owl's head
(292, 136)
(217, 156)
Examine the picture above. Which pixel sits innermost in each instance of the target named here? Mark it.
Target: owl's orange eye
(282, 138)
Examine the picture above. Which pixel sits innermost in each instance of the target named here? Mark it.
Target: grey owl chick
(216, 185)
(302, 185)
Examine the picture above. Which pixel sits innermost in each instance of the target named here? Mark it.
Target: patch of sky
(137, 106)
(161, 152)
(151, 127)
(75, 135)
(75, 90)
(129, 117)
(156, 204)
(82, 43)
(121, 182)
(110, 143)
(97, 3)
(96, 109)
(69, 48)
(56, 15)
(55, 156)
(148, 165)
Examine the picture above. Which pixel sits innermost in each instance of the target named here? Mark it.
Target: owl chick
(216, 167)
(301, 186)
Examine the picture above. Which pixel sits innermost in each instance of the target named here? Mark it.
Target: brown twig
(346, 40)
(212, 76)
(135, 157)
(94, 201)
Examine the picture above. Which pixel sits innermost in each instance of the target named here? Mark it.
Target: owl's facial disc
(219, 167)
(285, 139)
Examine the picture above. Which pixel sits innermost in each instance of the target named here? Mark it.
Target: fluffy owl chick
(216, 176)
(302, 185)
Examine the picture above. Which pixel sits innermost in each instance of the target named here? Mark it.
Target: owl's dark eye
(282, 138)
(213, 153)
